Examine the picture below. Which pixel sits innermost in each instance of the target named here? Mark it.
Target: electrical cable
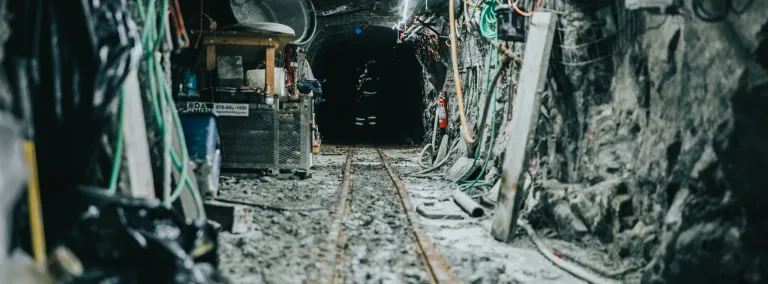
(118, 152)
(479, 117)
(488, 19)
(712, 17)
(492, 111)
(517, 9)
(567, 266)
(162, 99)
(455, 62)
(454, 147)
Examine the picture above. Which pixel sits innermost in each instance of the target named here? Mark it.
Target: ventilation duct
(297, 14)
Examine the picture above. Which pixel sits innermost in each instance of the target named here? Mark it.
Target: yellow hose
(459, 96)
(35, 210)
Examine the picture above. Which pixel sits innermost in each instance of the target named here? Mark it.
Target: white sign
(223, 109)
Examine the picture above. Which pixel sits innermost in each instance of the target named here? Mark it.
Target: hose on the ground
(479, 117)
(442, 162)
(567, 266)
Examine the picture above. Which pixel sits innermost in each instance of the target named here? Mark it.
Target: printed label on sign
(223, 109)
(198, 107)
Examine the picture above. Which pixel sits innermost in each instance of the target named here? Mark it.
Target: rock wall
(658, 150)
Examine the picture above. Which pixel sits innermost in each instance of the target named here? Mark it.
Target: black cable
(713, 16)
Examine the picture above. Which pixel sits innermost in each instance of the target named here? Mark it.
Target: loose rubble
(281, 246)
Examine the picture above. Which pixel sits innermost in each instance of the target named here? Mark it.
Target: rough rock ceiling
(347, 13)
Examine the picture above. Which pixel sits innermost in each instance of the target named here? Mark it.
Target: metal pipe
(468, 205)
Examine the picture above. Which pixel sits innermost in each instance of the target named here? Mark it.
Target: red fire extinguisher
(443, 113)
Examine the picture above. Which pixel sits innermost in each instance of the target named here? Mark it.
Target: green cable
(493, 138)
(488, 19)
(118, 154)
(161, 98)
(481, 136)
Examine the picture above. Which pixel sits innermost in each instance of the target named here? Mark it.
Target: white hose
(430, 146)
(567, 266)
(421, 155)
(441, 163)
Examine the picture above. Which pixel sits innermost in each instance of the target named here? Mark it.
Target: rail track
(375, 234)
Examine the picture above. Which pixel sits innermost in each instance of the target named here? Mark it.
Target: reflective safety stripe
(360, 118)
(372, 123)
(371, 117)
(359, 123)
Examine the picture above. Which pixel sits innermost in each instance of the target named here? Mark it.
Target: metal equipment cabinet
(268, 138)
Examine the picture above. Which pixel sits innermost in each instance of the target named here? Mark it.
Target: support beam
(533, 76)
(210, 57)
(270, 69)
(138, 163)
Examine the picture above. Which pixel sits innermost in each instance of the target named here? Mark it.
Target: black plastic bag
(307, 85)
(123, 240)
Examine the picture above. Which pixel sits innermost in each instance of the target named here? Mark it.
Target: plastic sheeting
(12, 177)
(139, 241)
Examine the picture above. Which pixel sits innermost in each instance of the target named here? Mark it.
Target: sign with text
(231, 109)
(222, 109)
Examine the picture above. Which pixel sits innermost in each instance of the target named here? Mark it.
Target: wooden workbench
(261, 36)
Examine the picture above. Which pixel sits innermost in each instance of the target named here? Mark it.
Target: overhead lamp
(405, 12)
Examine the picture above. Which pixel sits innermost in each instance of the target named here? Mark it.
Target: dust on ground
(467, 245)
(281, 246)
(380, 245)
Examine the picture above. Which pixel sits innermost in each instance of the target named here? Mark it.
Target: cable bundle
(71, 60)
(153, 35)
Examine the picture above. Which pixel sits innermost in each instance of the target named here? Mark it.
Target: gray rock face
(668, 144)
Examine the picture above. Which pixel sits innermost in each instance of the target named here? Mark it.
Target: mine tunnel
(340, 61)
(389, 141)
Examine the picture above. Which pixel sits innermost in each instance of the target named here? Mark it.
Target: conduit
(486, 107)
(455, 58)
(441, 163)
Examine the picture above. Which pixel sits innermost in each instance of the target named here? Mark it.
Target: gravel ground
(467, 245)
(380, 246)
(281, 246)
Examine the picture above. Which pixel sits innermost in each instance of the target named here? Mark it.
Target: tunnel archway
(340, 59)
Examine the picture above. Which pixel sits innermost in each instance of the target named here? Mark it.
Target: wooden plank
(533, 76)
(248, 41)
(270, 69)
(210, 57)
(138, 162)
(189, 203)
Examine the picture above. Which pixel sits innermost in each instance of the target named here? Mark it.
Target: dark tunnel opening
(341, 60)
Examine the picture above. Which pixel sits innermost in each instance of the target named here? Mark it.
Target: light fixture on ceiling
(405, 12)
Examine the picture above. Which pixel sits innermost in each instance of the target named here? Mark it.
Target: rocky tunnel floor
(281, 246)
(377, 244)
(466, 244)
(380, 246)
